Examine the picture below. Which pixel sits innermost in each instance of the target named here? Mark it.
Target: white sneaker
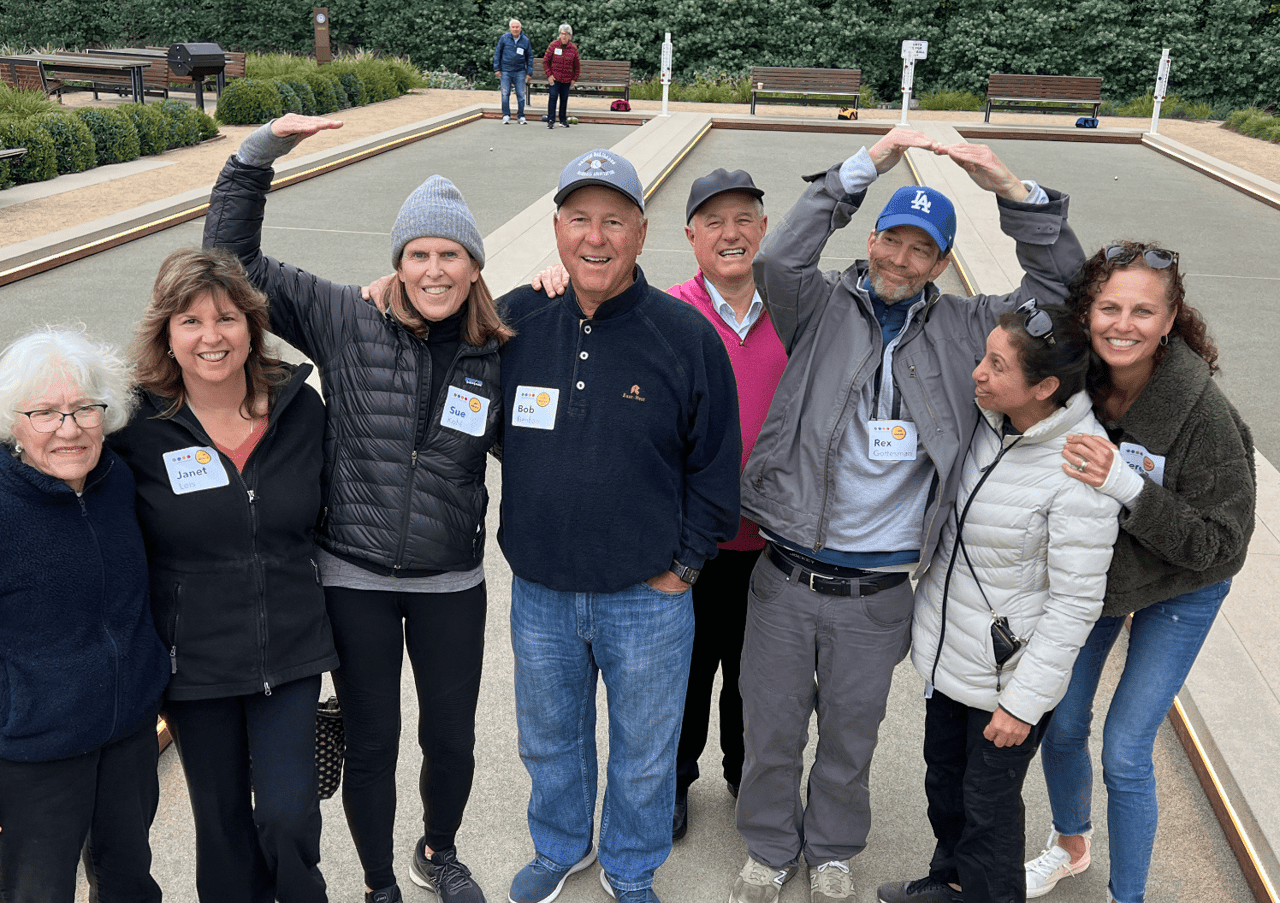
(522, 121)
(757, 883)
(1046, 870)
(830, 882)
(506, 120)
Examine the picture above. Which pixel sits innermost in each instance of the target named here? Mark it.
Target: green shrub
(379, 83)
(952, 100)
(72, 142)
(306, 97)
(182, 125)
(323, 92)
(443, 78)
(114, 138)
(352, 84)
(405, 75)
(41, 161)
(1174, 107)
(276, 65)
(249, 101)
(289, 101)
(205, 125)
(23, 103)
(5, 178)
(148, 122)
(339, 90)
(1234, 119)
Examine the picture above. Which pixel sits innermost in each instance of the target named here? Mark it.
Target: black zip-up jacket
(235, 590)
(404, 495)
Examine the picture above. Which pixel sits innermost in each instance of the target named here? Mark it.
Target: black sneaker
(384, 895)
(926, 890)
(680, 816)
(444, 875)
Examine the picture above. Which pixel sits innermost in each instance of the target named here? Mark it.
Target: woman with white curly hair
(81, 667)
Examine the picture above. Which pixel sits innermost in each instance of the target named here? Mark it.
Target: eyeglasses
(86, 418)
(1039, 325)
(1156, 258)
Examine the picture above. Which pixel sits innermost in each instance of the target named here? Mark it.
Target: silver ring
(1081, 466)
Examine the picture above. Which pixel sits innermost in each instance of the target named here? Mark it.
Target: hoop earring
(17, 449)
(1164, 339)
(170, 352)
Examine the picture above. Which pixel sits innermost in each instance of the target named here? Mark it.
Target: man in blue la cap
(851, 479)
(620, 463)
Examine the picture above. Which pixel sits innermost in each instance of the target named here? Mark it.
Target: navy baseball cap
(925, 208)
(718, 182)
(601, 167)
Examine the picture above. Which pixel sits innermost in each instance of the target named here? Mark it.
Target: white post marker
(666, 72)
(911, 51)
(1162, 86)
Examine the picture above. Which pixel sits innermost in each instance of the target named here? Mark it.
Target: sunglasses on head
(1156, 258)
(1039, 325)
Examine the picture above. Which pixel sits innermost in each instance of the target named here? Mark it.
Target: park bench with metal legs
(805, 86)
(598, 78)
(1071, 94)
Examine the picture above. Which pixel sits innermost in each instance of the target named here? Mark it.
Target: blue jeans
(1163, 644)
(639, 640)
(512, 80)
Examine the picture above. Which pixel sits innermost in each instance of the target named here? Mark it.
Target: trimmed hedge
(41, 160)
(181, 122)
(306, 97)
(249, 101)
(148, 122)
(324, 91)
(72, 142)
(114, 138)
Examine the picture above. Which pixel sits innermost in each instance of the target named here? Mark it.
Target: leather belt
(864, 583)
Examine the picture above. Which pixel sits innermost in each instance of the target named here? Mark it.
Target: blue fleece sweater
(80, 662)
(641, 462)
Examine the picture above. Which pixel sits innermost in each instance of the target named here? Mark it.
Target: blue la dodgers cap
(925, 208)
(601, 167)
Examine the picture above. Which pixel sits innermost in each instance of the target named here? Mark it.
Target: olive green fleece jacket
(1192, 531)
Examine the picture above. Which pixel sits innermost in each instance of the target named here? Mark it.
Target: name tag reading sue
(465, 412)
(891, 440)
(535, 407)
(1146, 464)
(194, 469)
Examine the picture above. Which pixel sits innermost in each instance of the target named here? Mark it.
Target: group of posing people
(513, 64)
(212, 539)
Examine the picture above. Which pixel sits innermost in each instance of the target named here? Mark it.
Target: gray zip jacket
(829, 329)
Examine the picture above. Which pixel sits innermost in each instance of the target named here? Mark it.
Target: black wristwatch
(687, 574)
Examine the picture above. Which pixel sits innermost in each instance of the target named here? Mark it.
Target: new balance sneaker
(643, 895)
(1046, 870)
(444, 875)
(925, 890)
(541, 881)
(757, 883)
(384, 895)
(506, 120)
(830, 881)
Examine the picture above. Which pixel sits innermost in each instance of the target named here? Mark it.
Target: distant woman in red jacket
(563, 67)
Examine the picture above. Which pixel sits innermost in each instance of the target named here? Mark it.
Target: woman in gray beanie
(413, 406)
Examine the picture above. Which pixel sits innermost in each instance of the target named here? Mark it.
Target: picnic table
(81, 68)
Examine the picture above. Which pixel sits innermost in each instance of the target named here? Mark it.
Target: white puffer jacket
(1039, 544)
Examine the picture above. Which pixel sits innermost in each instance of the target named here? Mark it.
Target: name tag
(465, 412)
(891, 440)
(194, 469)
(1146, 464)
(519, 51)
(535, 407)
(559, 52)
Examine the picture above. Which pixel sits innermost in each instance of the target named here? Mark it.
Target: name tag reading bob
(194, 469)
(535, 407)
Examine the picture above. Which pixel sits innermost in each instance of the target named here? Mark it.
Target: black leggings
(444, 634)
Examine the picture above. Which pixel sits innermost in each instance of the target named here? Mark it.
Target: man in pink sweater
(725, 225)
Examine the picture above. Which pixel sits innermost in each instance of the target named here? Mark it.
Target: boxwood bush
(352, 82)
(148, 122)
(289, 101)
(324, 92)
(181, 122)
(72, 142)
(114, 138)
(40, 162)
(249, 101)
(306, 97)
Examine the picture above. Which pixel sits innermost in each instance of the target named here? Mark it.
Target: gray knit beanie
(436, 210)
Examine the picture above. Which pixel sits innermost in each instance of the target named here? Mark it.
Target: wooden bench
(155, 77)
(1075, 94)
(235, 69)
(29, 76)
(805, 86)
(599, 78)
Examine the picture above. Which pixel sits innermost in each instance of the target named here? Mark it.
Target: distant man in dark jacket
(620, 477)
(513, 64)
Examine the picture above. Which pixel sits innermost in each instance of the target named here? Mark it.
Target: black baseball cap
(718, 182)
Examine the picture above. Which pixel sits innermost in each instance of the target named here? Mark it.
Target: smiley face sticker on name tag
(535, 407)
(1146, 464)
(194, 469)
(891, 440)
(465, 412)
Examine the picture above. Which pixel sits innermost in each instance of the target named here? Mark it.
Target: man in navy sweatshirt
(620, 476)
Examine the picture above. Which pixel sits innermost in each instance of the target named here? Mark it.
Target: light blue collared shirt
(727, 313)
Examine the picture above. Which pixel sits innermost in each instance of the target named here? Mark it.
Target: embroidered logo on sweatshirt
(634, 394)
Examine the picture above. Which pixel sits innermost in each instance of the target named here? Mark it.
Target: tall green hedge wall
(1224, 51)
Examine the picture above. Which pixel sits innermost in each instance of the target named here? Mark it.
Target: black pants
(720, 616)
(558, 90)
(250, 765)
(48, 809)
(974, 790)
(444, 635)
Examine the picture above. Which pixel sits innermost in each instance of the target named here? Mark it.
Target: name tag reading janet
(535, 407)
(465, 412)
(1146, 464)
(194, 469)
(891, 440)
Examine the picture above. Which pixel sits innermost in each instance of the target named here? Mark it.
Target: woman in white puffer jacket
(1011, 593)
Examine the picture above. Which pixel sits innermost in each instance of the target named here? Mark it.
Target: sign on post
(666, 71)
(1162, 86)
(320, 18)
(911, 51)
